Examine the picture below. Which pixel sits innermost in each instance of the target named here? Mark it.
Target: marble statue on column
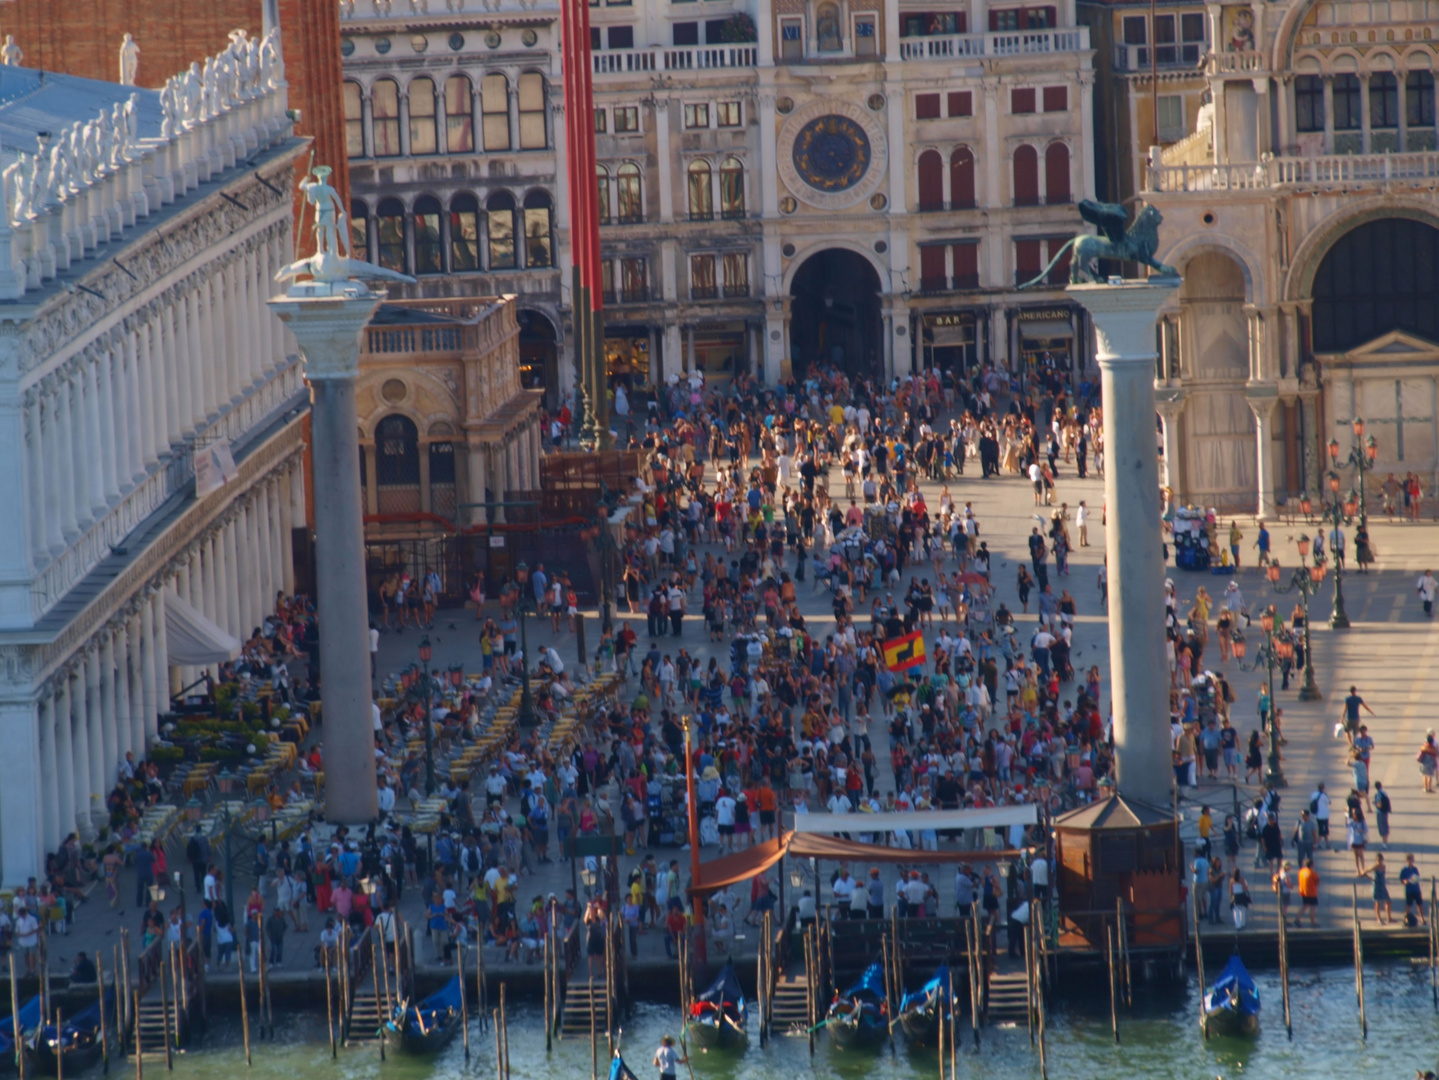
(10, 54)
(331, 261)
(129, 60)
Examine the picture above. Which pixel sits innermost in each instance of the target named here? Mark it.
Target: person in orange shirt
(1308, 894)
(767, 802)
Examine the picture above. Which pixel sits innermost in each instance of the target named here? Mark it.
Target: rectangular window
(607, 280)
(697, 116)
(459, 123)
(791, 39)
(502, 239)
(931, 23)
(594, 32)
(926, 106)
(1383, 100)
(621, 37)
(495, 107)
(1172, 127)
(715, 31)
(427, 244)
(1419, 99)
(1000, 21)
(538, 252)
(1056, 99)
(532, 111)
(601, 121)
(1021, 100)
(627, 119)
(1028, 261)
(730, 114)
(686, 33)
(961, 103)
(385, 117)
(1191, 36)
(354, 122)
(966, 265)
(736, 274)
(464, 240)
(1136, 30)
(1164, 50)
(423, 133)
(1308, 103)
(602, 180)
(933, 274)
(865, 40)
(702, 277)
(390, 234)
(634, 281)
(1347, 109)
(1037, 18)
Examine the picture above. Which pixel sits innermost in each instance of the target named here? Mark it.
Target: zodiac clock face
(831, 153)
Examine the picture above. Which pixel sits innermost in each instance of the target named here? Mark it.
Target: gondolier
(667, 1058)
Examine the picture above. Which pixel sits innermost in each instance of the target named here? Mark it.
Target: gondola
(1231, 1005)
(29, 1021)
(427, 1027)
(717, 1017)
(920, 1010)
(859, 1017)
(78, 1041)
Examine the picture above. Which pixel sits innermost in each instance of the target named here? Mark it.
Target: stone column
(327, 319)
(110, 398)
(87, 730)
(149, 699)
(1169, 401)
(234, 616)
(1262, 406)
(21, 785)
(162, 658)
(1124, 317)
(124, 726)
(49, 778)
(109, 712)
(137, 684)
(65, 754)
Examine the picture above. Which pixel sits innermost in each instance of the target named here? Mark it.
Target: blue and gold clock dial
(831, 153)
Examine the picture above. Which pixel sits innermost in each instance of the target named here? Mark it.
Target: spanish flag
(903, 653)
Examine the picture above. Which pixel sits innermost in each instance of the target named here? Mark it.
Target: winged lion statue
(1133, 244)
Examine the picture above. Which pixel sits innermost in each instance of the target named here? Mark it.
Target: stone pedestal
(1124, 318)
(327, 319)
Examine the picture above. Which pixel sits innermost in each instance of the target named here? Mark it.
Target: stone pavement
(1389, 652)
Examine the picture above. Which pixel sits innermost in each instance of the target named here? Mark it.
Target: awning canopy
(190, 638)
(741, 866)
(817, 846)
(996, 817)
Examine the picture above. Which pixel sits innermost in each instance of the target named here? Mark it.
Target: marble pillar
(1124, 317)
(327, 319)
(1262, 406)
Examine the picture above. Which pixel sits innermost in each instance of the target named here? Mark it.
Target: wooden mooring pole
(1199, 967)
(1359, 967)
(1284, 971)
(1113, 982)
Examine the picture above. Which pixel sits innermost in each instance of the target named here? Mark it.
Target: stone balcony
(674, 58)
(1324, 172)
(1011, 43)
(1249, 64)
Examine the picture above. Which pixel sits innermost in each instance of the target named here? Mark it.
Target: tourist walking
(1379, 874)
(1308, 893)
(1239, 899)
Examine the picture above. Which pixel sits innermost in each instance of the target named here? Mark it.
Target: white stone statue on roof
(169, 109)
(131, 115)
(191, 93)
(10, 54)
(272, 60)
(129, 60)
(13, 182)
(115, 146)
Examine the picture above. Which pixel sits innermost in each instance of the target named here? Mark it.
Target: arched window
(1026, 176)
(385, 113)
(539, 250)
(427, 235)
(700, 200)
(1383, 100)
(602, 183)
(961, 179)
(1056, 173)
(500, 228)
(424, 136)
(459, 115)
(442, 469)
(631, 193)
(359, 230)
(495, 111)
(397, 465)
(464, 232)
(532, 111)
(1419, 101)
(731, 188)
(931, 181)
(390, 235)
(354, 121)
(1347, 110)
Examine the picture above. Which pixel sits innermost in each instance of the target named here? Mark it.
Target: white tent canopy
(191, 638)
(992, 818)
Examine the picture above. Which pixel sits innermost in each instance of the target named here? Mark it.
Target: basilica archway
(835, 315)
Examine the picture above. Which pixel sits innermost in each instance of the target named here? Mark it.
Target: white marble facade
(157, 344)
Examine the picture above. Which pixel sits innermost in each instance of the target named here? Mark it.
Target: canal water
(1160, 1040)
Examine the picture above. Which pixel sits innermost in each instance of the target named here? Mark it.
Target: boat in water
(920, 1010)
(428, 1026)
(78, 1040)
(717, 1017)
(9, 1052)
(1231, 1005)
(859, 1016)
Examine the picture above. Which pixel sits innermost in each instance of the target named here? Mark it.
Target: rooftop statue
(1134, 244)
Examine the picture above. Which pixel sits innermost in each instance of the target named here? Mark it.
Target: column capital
(328, 328)
(1262, 401)
(1124, 318)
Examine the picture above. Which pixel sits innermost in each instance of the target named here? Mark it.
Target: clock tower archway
(835, 315)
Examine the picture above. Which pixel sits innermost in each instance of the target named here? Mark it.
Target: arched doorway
(397, 465)
(539, 357)
(835, 320)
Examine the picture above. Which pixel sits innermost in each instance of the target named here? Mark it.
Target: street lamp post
(1306, 579)
(527, 702)
(427, 688)
(1275, 647)
(1362, 455)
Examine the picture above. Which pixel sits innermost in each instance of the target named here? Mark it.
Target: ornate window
(931, 181)
(1348, 115)
(1026, 176)
(354, 121)
(631, 193)
(464, 232)
(359, 230)
(602, 185)
(532, 111)
(424, 137)
(961, 178)
(385, 114)
(1383, 100)
(500, 225)
(397, 465)
(731, 189)
(459, 115)
(1308, 103)
(539, 249)
(495, 110)
(427, 235)
(701, 201)
(1056, 173)
(390, 235)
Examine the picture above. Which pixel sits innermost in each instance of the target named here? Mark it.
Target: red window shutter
(966, 265)
(961, 103)
(1056, 99)
(961, 178)
(993, 20)
(1021, 100)
(1027, 259)
(931, 181)
(1056, 173)
(1060, 274)
(931, 268)
(1026, 176)
(926, 106)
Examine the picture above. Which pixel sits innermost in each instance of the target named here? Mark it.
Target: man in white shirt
(843, 887)
(724, 818)
(1039, 876)
(386, 795)
(27, 939)
(839, 803)
(1427, 587)
(1081, 519)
